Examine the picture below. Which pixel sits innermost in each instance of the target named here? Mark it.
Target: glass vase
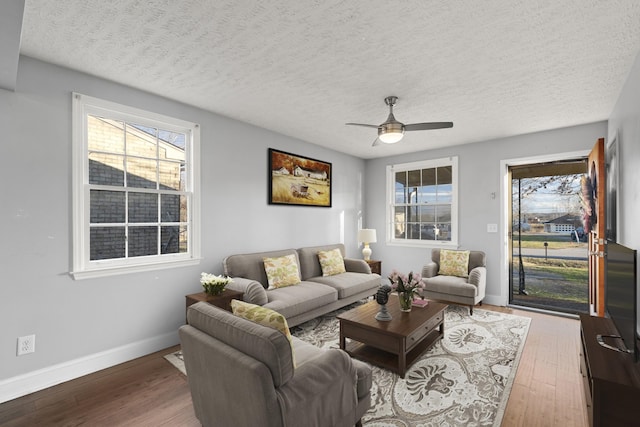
(406, 299)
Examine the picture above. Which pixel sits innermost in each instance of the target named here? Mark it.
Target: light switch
(492, 228)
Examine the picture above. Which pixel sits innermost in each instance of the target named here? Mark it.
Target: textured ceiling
(303, 68)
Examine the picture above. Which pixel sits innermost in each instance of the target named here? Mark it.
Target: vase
(406, 299)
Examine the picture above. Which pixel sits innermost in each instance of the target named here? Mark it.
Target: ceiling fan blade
(428, 126)
(376, 142)
(362, 124)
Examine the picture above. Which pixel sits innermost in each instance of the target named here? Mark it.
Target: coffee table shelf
(396, 344)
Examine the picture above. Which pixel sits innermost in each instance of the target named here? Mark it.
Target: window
(422, 199)
(135, 193)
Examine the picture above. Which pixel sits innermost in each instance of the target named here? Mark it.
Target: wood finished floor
(149, 391)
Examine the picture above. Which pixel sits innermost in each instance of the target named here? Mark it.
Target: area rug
(462, 380)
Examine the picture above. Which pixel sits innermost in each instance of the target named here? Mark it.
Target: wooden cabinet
(611, 379)
(376, 266)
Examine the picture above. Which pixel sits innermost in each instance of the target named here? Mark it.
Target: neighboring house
(298, 171)
(565, 224)
(281, 171)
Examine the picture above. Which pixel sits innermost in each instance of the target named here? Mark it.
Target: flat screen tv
(620, 294)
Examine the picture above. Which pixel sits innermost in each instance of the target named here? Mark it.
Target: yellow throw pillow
(454, 263)
(265, 317)
(282, 271)
(331, 262)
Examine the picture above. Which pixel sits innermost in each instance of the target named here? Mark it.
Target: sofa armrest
(356, 265)
(321, 392)
(430, 270)
(254, 292)
(478, 277)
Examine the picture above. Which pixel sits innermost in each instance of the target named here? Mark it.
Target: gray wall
(625, 122)
(97, 322)
(480, 174)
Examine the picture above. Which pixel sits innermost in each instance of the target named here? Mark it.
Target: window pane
(412, 214)
(141, 173)
(401, 187)
(427, 213)
(413, 230)
(105, 135)
(172, 144)
(444, 231)
(143, 241)
(443, 213)
(106, 243)
(445, 193)
(143, 207)
(106, 207)
(174, 208)
(141, 141)
(428, 231)
(106, 169)
(174, 239)
(444, 175)
(171, 177)
(414, 179)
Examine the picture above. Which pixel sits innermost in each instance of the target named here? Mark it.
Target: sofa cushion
(251, 266)
(331, 262)
(348, 284)
(302, 298)
(309, 263)
(282, 271)
(451, 285)
(454, 263)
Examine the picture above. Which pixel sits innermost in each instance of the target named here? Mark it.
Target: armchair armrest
(356, 265)
(430, 270)
(478, 277)
(254, 292)
(322, 391)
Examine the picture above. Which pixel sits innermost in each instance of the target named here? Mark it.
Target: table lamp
(366, 236)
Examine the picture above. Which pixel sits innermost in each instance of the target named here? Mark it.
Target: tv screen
(620, 293)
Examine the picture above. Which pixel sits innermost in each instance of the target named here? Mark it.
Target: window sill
(134, 268)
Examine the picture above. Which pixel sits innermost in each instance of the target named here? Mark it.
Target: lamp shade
(367, 235)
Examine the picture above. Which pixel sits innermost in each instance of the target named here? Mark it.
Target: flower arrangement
(406, 286)
(212, 284)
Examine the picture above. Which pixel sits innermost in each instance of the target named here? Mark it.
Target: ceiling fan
(392, 131)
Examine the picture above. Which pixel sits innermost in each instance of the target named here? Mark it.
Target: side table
(376, 266)
(223, 300)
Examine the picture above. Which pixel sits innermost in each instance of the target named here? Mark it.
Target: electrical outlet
(492, 228)
(26, 344)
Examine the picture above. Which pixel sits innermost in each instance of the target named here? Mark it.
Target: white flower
(212, 279)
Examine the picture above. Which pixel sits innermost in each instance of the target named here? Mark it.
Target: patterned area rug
(462, 380)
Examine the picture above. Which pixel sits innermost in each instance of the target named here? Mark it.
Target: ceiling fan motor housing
(390, 132)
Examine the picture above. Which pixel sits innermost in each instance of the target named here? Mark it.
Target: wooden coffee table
(396, 344)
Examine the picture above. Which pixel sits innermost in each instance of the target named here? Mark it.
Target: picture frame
(611, 178)
(297, 180)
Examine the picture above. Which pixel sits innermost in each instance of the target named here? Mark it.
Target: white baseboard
(31, 382)
(493, 300)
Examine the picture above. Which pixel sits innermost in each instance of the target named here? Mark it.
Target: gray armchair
(463, 290)
(242, 374)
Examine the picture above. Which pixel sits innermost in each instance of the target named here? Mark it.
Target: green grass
(536, 241)
(555, 278)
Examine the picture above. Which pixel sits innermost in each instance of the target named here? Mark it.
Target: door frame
(505, 211)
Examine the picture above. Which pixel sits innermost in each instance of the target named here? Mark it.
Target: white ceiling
(303, 68)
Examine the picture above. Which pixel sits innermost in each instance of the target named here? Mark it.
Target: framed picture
(298, 180)
(611, 201)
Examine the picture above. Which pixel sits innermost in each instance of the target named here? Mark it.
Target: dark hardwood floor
(149, 391)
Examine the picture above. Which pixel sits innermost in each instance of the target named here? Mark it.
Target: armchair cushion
(454, 263)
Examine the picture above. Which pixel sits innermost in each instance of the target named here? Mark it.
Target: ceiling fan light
(390, 136)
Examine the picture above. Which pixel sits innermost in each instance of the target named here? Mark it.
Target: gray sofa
(242, 374)
(314, 296)
(463, 290)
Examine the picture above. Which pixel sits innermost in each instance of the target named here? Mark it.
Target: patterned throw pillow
(282, 271)
(454, 263)
(331, 262)
(265, 317)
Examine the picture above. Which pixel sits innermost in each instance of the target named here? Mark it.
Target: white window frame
(424, 164)
(83, 267)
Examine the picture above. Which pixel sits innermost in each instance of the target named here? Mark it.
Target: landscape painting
(298, 180)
